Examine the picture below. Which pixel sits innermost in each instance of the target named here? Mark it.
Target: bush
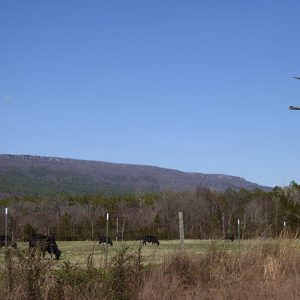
(260, 272)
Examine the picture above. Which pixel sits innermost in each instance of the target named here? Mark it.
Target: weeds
(25, 275)
(263, 271)
(125, 274)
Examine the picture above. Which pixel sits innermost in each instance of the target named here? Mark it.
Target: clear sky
(200, 86)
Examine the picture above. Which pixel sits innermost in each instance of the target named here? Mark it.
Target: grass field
(77, 252)
(214, 269)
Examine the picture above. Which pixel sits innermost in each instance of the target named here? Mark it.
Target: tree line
(207, 214)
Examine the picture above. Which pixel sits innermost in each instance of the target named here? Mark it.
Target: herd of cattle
(47, 243)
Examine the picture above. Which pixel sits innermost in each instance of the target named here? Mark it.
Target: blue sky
(200, 86)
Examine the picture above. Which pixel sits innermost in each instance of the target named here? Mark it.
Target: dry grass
(263, 271)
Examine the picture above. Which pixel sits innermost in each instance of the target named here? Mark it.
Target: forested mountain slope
(47, 175)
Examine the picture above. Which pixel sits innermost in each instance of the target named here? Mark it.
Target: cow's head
(52, 248)
(57, 252)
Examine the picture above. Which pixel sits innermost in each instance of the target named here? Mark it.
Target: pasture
(208, 269)
(77, 252)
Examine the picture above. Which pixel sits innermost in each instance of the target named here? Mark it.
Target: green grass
(77, 252)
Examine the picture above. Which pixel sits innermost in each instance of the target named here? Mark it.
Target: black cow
(10, 242)
(44, 243)
(229, 236)
(150, 239)
(102, 239)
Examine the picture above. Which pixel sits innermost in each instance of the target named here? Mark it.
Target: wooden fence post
(181, 231)
(117, 231)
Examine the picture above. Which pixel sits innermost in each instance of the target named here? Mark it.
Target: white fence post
(106, 244)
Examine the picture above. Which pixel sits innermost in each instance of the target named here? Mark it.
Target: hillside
(47, 175)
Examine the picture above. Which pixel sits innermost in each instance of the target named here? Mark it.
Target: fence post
(117, 230)
(106, 244)
(6, 211)
(239, 235)
(181, 231)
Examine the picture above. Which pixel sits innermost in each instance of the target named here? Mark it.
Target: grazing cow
(150, 239)
(229, 236)
(102, 239)
(10, 242)
(44, 243)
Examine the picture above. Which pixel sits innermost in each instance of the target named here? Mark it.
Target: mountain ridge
(46, 175)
